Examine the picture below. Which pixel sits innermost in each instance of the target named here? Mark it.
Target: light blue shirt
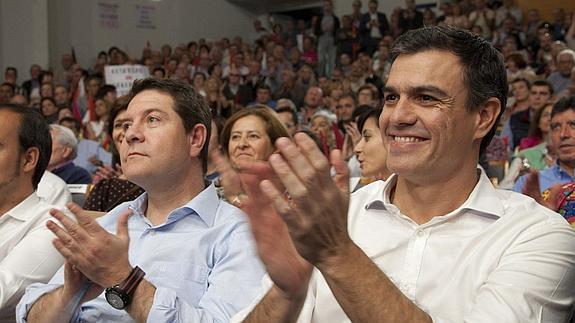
(548, 177)
(202, 261)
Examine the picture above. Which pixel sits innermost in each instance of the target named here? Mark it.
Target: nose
(359, 147)
(566, 132)
(243, 142)
(402, 113)
(133, 133)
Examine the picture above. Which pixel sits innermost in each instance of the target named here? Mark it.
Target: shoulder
(527, 212)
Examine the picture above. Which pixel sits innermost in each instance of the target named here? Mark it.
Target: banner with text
(123, 76)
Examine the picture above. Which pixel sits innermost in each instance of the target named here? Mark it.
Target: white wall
(81, 24)
(343, 7)
(23, 35)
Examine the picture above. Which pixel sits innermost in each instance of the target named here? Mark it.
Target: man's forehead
(150, 99)
(542, 89)
(566, 116)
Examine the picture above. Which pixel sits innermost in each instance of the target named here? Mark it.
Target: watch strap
(128, 286)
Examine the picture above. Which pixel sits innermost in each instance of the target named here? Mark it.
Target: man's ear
(198, 137)
(486, 117)
(66, 152)
(29, 159)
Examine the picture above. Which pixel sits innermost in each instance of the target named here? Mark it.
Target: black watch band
(120, 295)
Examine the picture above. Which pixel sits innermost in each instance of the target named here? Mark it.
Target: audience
(320, 77)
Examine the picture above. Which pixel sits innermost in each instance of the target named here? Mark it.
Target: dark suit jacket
(318, 32)
(364, 29)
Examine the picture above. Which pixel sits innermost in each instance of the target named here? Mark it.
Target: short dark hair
(10, 85)
(565, 104)
(290, 111)
(119, 105)
(33, 132)
(13, 69)
(188, 104)
(484, 74)
(103, 90)
(76, 122)
(543, 83)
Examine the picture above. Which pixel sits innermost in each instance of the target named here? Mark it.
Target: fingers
(341, 177)
(85, 220)
(72, 229)
(281, 205)
(122, 227)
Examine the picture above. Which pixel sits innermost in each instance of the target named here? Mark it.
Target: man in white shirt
(26, 251)
(54, 190)
(436, 242)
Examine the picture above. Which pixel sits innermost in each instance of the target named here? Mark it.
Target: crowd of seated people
(325, 77)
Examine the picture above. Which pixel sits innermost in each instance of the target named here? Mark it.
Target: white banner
(123, 76)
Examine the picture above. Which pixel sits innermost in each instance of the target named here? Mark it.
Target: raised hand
(100, 256)
(316, 215)
(287, 269)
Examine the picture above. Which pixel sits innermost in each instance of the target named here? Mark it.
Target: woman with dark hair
(49, 110)
(114, 188)
(372, 159)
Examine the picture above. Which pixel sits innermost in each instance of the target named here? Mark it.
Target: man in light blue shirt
(563, 140)
(179, 253)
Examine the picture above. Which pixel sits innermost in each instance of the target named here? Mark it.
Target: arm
(62, 304)
(32, 259)
(373, 298)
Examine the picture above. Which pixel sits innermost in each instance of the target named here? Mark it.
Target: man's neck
(162, 199)
(422, 201)
(568, 167)
(15, 197)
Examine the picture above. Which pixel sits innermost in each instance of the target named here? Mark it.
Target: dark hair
(290, 111)
(33, 132)
(189, 105)
(484, 74)
(543, 83)
(518, 59)
(371, 113)
(76, 122)
(349, 95)
(360, 110)
(104, 90)
(9, 85)
(161, 69)
(12, 68)
(263, 87)
(372, 88)
(566, 103)
(274, 127)
(119, 105)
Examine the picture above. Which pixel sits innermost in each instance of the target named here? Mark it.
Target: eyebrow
(147, 112)
(420, 89)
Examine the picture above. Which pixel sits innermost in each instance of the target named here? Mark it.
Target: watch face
(115, 300)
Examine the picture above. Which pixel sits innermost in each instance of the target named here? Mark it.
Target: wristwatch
(120, 295)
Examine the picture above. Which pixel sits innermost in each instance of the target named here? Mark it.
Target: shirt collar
(559, 171)
(483, 198)
(22, 210)
(204, 205)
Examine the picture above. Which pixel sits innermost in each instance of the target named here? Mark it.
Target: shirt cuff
(32, 294)
(165, 306)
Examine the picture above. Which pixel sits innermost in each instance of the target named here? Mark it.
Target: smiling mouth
(407, 139)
